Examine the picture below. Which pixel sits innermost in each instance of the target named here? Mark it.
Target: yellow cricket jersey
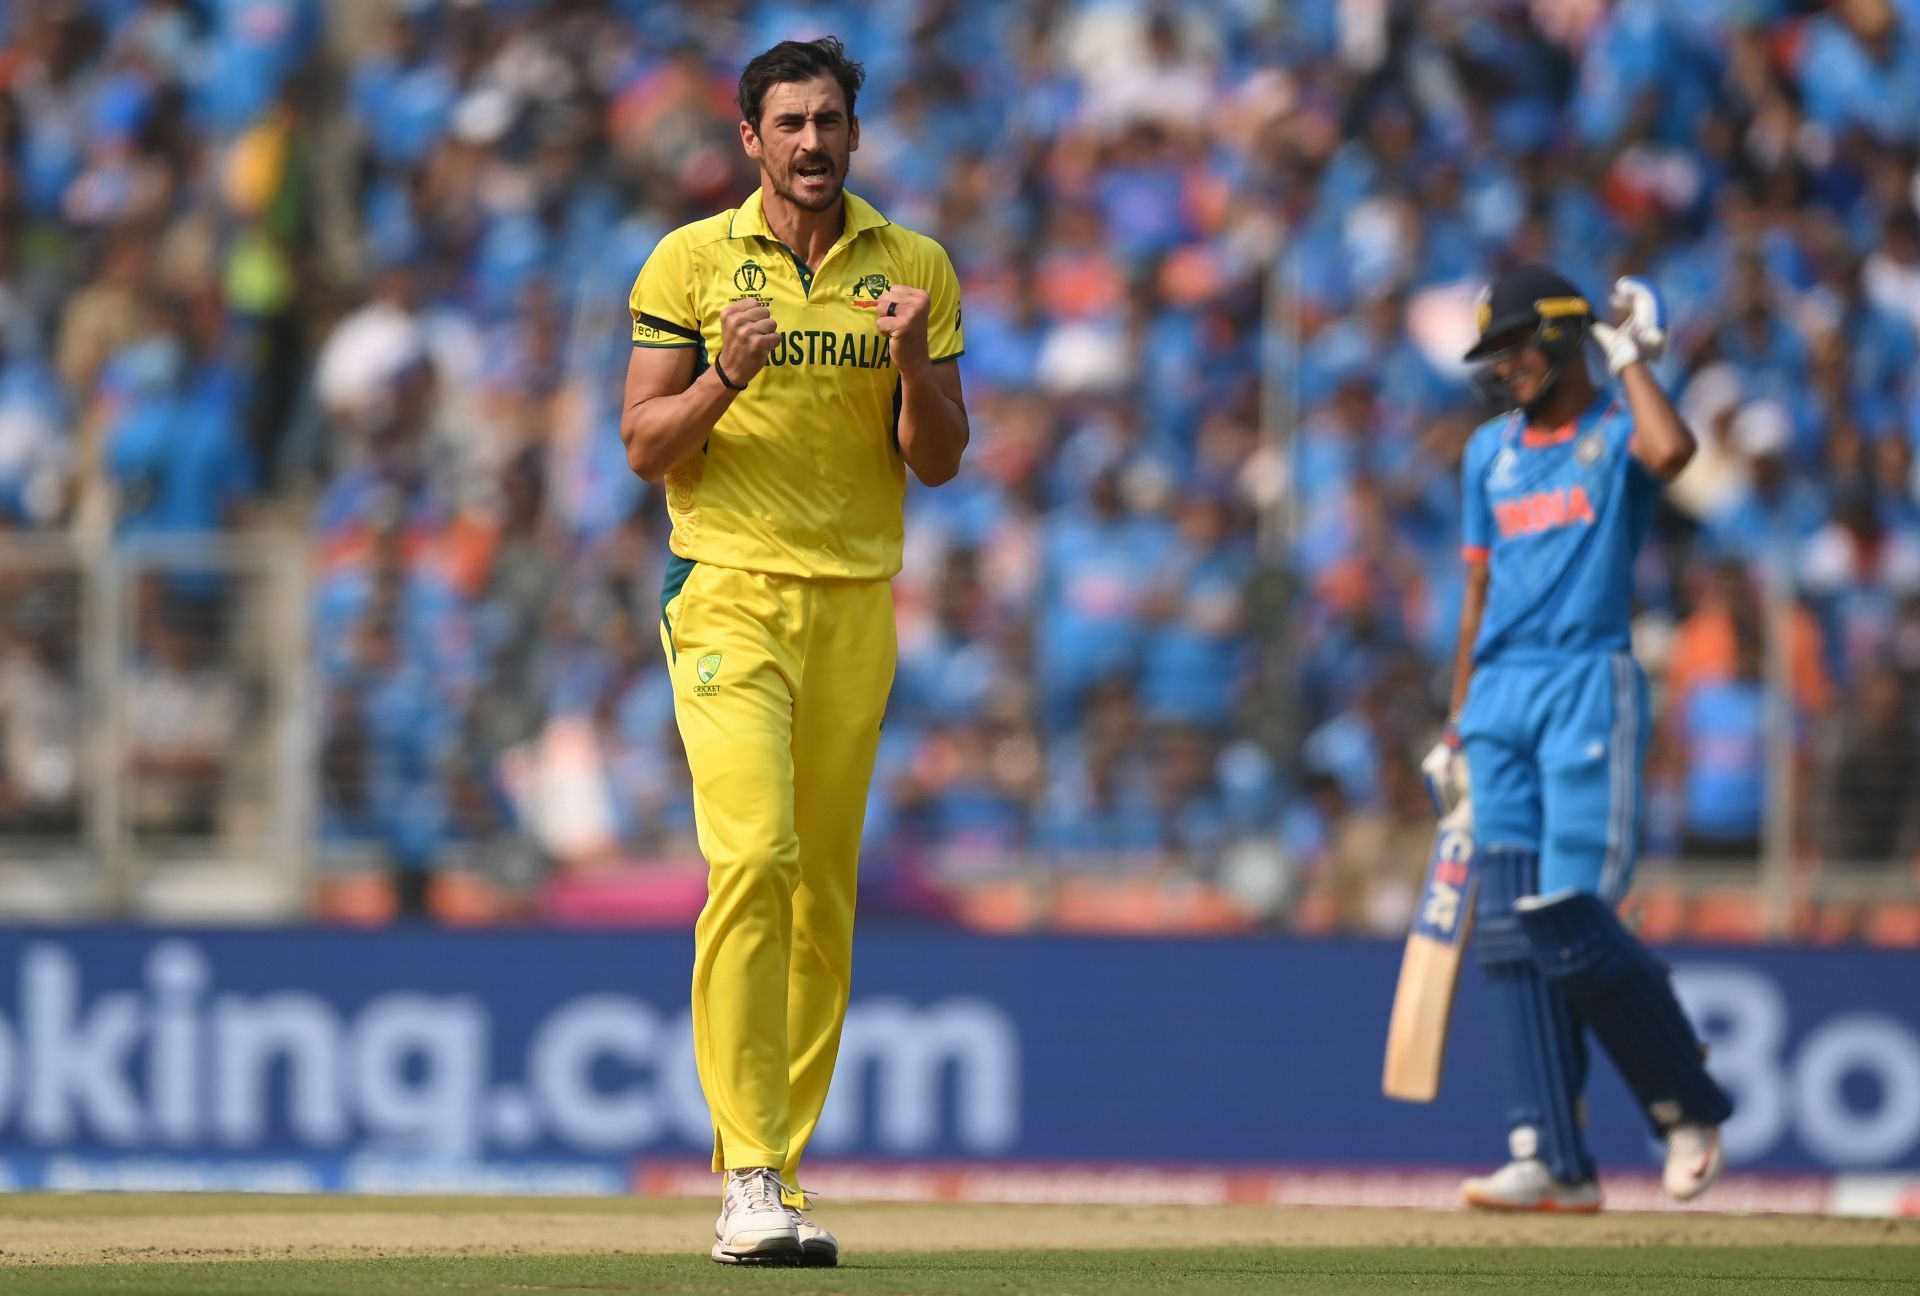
(803, 474)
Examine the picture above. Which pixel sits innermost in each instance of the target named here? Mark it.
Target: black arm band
(725, 381)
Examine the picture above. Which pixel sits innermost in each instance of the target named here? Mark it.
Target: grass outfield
(166, 1246)
(1584, 1270)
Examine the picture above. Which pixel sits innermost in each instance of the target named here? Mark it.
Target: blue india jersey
(1558, 516)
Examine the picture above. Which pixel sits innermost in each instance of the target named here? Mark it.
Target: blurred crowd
(358, 269)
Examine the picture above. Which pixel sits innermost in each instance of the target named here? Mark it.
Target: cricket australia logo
(706, 668)
(870, 287)
(750, 278)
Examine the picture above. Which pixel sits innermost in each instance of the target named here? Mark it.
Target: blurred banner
(529, 1061)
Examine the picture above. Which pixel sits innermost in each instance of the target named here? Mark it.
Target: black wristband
(725, 381)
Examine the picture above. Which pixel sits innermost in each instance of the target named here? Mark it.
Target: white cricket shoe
(1527, 1185)
(1695, 1159)
(754, 1227)
(818, 1248)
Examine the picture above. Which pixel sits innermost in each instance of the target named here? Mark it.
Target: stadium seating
(355, 280)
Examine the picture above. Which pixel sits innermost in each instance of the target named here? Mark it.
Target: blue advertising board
(413, 1057)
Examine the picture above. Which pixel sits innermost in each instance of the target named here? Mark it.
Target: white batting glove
(1642, 335)
(1445, 770)
(1646, 315)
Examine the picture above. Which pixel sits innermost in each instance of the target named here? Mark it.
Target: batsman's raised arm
(1661, 442)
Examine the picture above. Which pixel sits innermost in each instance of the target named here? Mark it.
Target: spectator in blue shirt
(1860, 67)
(1373, 341)
(177, 451)
(1143, 193)
(257, 45)
(409, 734)
(1877, 345)
(1093, 612)
(960, 802)
(404, 97)
(1722, 741)
(1196, 658)
(1777, 510)
(1769, 354)
(1191, 802)
(952, 671)
(1004, 336)
(1100, 809)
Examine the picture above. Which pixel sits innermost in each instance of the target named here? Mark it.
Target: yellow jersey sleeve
(661, 303)
(945, 341)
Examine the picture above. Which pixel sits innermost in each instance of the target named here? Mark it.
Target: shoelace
(761, 1189)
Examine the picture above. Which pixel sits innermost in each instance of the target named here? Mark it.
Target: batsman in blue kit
(1549, 732)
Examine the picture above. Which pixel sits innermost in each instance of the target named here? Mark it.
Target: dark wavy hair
(797, 61)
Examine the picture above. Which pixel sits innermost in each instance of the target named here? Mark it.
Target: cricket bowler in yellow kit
(792, 360)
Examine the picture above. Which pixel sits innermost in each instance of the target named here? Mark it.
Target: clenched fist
(748, 336)
(901, 317)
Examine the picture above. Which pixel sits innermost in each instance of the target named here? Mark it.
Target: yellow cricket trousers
(779, 687)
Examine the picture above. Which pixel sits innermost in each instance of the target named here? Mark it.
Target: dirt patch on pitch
(362, 1229)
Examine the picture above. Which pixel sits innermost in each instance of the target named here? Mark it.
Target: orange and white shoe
(1695, 1159)
(1527, 1185)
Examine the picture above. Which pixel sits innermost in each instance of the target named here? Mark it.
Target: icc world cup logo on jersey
(749, 278)
(870, 287)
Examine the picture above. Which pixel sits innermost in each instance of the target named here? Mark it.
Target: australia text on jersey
(828, 347)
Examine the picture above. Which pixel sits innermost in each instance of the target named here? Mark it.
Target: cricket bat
(1430, 968)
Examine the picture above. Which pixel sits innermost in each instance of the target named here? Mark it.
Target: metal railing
(184, 666)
